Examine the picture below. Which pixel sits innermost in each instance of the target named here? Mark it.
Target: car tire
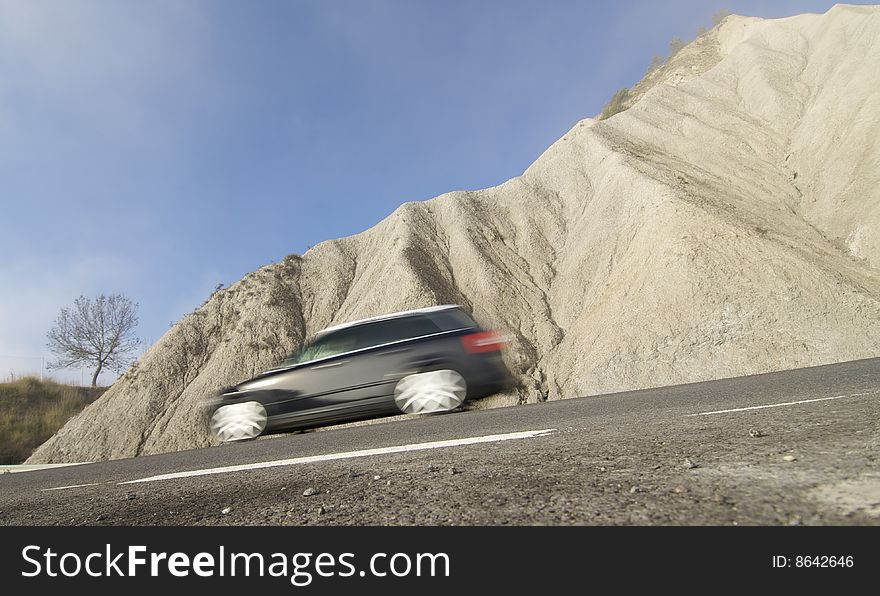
(239, 422)
(430, 392)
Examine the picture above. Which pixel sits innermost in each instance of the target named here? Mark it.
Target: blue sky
(160, 148)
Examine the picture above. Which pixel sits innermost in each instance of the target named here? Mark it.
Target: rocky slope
(726, 223)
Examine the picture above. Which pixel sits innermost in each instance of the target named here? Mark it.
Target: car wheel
(430, 392)
(237, 422)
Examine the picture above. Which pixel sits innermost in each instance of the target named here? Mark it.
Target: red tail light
(485, 341)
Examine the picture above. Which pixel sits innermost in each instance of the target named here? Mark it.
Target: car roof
(394, 315)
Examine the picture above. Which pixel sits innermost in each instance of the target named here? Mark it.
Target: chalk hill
(726, 223)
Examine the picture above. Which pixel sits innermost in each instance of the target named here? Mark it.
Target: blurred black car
(428, 360)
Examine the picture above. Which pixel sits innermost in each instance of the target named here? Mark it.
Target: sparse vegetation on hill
(615, 104)
(719, 16)
(624, 97)
(32, 410)
(676, 44)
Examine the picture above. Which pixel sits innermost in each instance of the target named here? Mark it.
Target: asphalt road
(673, 455)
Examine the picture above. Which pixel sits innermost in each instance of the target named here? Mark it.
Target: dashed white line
(71, 486)
(764, 407)
(348, 455)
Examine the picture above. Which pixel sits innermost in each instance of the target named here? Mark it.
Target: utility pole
(42, 366)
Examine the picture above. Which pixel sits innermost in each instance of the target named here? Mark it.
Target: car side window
(367, 335)
(329, 345)
(451, 319)
(383, 332)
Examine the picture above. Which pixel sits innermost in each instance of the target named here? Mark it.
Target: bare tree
(97, 332)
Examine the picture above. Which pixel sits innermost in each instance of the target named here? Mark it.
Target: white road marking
(788, 403)
(72, 486)
(18, 468)
(349, 455)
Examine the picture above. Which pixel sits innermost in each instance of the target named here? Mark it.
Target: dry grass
(32, 410)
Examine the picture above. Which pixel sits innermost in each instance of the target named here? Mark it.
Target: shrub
(675, 46)
(656, 62)
(615, 104)
(720, 16)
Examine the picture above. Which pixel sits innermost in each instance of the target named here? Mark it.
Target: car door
(389, 348)
(318, 384)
